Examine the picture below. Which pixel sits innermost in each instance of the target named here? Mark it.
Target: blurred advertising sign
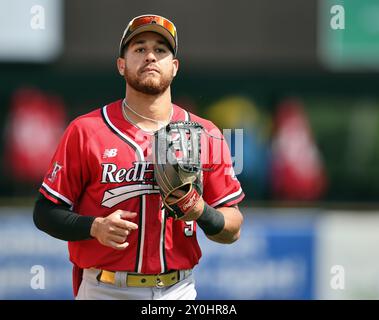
(33, 265)
(36, 123)
(348, 33)
(273, 259)
(31, 31)
(347, 263)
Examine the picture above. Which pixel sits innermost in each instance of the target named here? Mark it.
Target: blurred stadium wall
(241, 62)
(282, 254)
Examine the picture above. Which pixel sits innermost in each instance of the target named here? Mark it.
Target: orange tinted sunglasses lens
(153, 19)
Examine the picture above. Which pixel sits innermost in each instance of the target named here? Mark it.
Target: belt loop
(124, 279)
(98, 277)
(186, 273)
(120, 279)
(117, 280)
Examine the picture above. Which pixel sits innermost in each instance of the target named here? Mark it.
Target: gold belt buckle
(159, 282)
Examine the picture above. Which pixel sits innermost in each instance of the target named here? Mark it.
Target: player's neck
(157, 107)
(154, 107)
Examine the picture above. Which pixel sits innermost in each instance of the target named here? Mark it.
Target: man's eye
(160, 50)
(140, 50)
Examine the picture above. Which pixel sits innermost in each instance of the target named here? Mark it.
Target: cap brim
(153, 28)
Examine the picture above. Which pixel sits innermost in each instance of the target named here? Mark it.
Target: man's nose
(150, 56)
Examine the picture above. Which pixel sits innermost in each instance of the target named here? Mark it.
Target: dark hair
(123, 50)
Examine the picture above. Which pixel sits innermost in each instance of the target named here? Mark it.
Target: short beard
(148, 86)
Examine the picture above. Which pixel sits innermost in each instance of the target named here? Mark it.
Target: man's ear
(175, 69)
(121, 66)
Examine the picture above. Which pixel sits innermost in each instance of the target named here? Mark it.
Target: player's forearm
(231, 231)
(61, 223)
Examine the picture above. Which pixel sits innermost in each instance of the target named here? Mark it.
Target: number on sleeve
(188, 230)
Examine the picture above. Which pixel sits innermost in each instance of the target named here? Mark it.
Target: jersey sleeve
(67, 172)
(221, 187)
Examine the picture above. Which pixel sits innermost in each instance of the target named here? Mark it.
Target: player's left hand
(178, 169)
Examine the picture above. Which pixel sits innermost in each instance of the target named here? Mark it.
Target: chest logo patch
(139, 179)
(109, 153)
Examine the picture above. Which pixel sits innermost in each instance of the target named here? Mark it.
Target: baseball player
(100, 195)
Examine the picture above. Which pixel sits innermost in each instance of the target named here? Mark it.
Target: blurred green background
(261, 52)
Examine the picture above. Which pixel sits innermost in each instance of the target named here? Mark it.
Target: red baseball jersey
(103, 163)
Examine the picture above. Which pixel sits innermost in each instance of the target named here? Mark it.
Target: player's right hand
(112, 231)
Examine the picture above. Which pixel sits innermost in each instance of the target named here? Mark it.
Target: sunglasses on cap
(154, 23)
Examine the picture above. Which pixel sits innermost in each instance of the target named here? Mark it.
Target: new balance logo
(109, 153)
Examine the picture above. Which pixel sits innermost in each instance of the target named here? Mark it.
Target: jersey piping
(56, 195)
(123, 136)
(228, 198)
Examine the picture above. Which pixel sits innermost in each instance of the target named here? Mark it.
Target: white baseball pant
(92, 289)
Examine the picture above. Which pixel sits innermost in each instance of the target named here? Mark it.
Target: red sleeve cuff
(229, 199)
(54, 196)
